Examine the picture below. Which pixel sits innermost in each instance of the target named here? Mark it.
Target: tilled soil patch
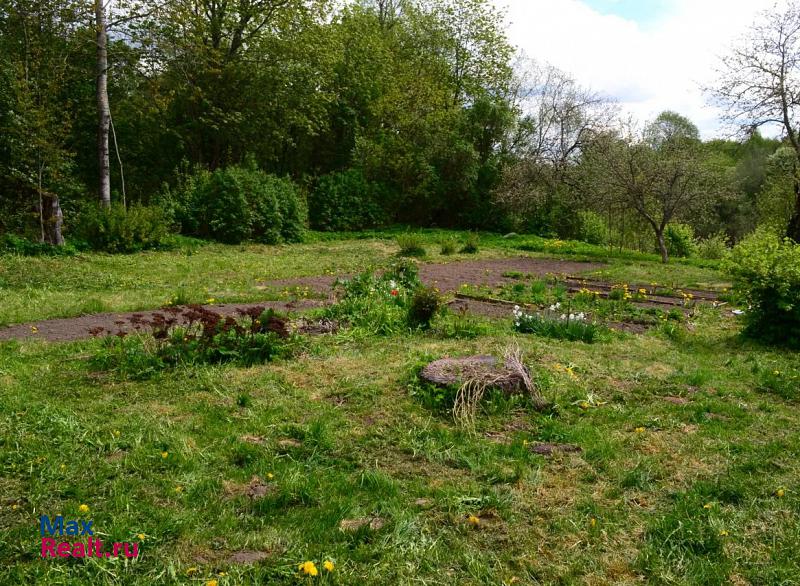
(79, 328)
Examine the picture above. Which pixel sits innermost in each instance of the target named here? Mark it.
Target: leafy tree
(660, 172)
(760, 81)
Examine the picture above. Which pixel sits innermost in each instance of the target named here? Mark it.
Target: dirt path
(448, 277)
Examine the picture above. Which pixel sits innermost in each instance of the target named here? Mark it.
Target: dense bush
(345, 201)
(11, 244)
(680, 240)
(425, 303)
(120, 230)
(767, 270)
(448, 245)
(593, 228)
(237, 203)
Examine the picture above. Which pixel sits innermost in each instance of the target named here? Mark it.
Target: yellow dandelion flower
(164, 455)
(780, 493)
(14, 507)
(140, 536)
(116, 433)
(178, 489)
(584, 405)
(639, 430)
(708, 505)
(212, 583)
(524, 442)
(723, 533)
(34, 330)
(592, 521)
(328, 565)
(308, 568)
(270, 475)
(473, 520)
(83, 508)
(63, 467)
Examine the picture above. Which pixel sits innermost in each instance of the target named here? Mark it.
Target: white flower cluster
(573, 316)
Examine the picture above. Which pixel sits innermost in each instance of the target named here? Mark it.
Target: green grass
(662, 493)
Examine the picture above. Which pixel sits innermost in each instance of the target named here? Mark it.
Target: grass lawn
(688, 472)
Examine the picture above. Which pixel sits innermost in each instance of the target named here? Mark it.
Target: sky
(650, 55)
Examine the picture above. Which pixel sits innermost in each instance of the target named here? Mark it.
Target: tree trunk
(103, 109)
(793, 231)
(52, 219)
(662, 246)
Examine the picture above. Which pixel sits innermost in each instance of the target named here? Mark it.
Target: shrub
(118, 230)
(346, 201)
(593, 228)
(680, 240)
(410, 244)
(714, 247)
(235, 204)
(767, 270)
(471, 244)
(12, 244)
(448, 245)
(424, 305)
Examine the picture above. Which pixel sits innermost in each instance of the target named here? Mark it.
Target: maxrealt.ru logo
(91, 547)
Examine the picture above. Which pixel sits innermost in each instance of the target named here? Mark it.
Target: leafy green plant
(714, 247)
(424, 305)
(680, 240)
(12, 244)
(120, 230)
(471, 244)
(593, 228)
(767, 270)
(346, 201)
(574, 328)
(410, 244)
(235, 204)
(190, 336)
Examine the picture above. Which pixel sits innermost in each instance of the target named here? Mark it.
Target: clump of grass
(471, 244)
(410, 244)
(448, 246)
(472, 391)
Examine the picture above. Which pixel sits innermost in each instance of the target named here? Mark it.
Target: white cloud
(648, 68)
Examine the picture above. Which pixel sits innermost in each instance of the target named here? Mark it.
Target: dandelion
(642, 291)
(34, 330)
(592, 521)
(165, 455)
(328, 565)
(116, 433)
(473, 520)
(723, 533)
(780, 493)
(639, 430)
(584, 405)
(212, 583)
(708, 506)
(83, 508)
(63, 467)
(308, 568)
(141, 536)
(525, 443)
(179, 489)
(270, 476)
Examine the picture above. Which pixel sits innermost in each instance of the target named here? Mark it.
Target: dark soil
(78, 328)
(447, 277)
